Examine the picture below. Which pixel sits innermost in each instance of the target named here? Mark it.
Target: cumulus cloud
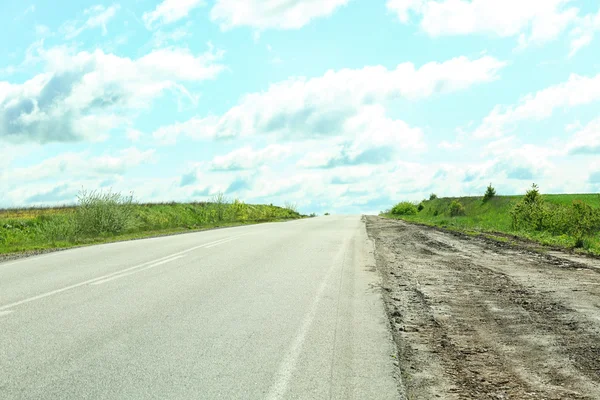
(532, 21)
(583, 34)
(84, 95)
(586, 140)
(265, 14)
(247, 158)
(446, 145)
(97, 16)
(301, 108)
(77, 165)
(170, 11)
(576, 91)
(369, 138)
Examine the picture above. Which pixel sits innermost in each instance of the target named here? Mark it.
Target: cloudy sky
(335, 105)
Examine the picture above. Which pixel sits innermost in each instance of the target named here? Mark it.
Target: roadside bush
(102, 213)
(57, 228)
(456, 208)
(579, 220)
(420, 207)
(292, 207)
(530, 212)
(585, 221)
(432, 196)
(489, 193)
(404, 208)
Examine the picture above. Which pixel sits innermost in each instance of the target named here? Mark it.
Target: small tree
(432, 196)
(489, 193)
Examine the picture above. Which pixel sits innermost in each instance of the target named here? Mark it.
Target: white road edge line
(104, 277)
(100, 282)
(3, 313)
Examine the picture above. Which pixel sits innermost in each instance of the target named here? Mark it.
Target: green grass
(494, 216)
(32, 229)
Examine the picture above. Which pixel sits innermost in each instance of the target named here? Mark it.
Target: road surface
(274, 311)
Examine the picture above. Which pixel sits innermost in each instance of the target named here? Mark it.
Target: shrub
(327, 214)
(436, 213)
(404, 208)
(219, 202)
(432, 196)
(292, 207)
(101, 213)
(530, 212)
(57, 228)
(585, 221)
(456, 208)
(420, 207)
(489, 193)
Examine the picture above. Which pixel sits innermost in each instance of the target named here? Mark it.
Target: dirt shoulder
(475, 319)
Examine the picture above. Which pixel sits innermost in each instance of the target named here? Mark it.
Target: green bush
(57, 228)
(530, 212)
(579, 220)
(100, 213)
(420, 207)
(489, 193)
(404, 208)
(456, 208)
(432, 196)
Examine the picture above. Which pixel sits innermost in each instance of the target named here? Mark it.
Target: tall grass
(566, 220)
(99, 216)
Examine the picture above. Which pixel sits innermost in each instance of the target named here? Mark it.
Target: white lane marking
(3, 313)
(100, 282)
(58, 291)
(287, 367)
(218, 244)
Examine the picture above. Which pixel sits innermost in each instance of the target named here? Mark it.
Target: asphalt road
(274, 311)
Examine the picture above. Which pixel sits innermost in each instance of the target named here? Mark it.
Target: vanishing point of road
(272, 311)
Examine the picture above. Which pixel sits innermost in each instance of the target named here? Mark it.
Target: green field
(104, 220)
(494, 216)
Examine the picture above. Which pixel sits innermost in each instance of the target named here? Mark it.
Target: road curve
(274, 311)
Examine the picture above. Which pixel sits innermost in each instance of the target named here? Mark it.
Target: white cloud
(318, 107)
(247, 158)
(134, 135)
(85, 95)
(444, 144)
(577, 90)
(369, 138)
(170, 11)
(81, 165)
(277, 14)
(160, 38)
(583, 34)
(533, 21)
(586, 140)
(98, 16)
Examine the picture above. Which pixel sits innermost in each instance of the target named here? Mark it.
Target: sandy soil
(477, 319)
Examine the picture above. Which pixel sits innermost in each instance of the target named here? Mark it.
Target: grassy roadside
(108, 217)
(494, 219)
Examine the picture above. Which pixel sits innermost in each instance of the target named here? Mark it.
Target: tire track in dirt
(478, 320)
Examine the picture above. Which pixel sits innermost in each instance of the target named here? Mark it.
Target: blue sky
(336, 105)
